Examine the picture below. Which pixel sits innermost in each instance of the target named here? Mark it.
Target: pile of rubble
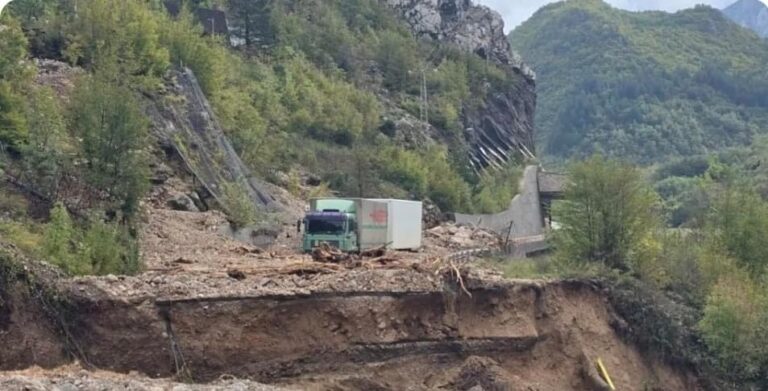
(327, 254)
(460, 237)
(59, 76)
(74, 378)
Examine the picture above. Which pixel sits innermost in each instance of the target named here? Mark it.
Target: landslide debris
(460, 237)
(208, 305)
(73, 377)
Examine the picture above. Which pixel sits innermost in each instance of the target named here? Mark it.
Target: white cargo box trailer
(404, 224)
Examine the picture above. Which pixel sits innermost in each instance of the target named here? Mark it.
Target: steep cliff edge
(503, 126)
(353, 335)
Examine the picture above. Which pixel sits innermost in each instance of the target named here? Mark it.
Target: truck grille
(332, 243)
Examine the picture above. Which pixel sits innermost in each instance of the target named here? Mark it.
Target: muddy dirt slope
(208, 307)
(508, 335)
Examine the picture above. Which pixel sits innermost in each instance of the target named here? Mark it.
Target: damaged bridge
(524, 223)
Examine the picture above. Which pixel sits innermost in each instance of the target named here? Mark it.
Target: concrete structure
(524, 217)
(528, 213)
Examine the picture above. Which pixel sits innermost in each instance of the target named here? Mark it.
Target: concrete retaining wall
(524, 214)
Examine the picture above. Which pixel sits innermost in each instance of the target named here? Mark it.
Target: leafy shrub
(205, 57)
(659, 324)
(684, 200)
(405, 168)
(734, 325)
(114, 133)
(446, 187)
(607, 214)
(238, 204)
(689, 167)
(12, 205)
(426, 175)
(24, 235)
(99, 248)
(13, 78)
(44, 152)
(116, 35)
(396, 55)
(323, 190)
(323, 107)
(496, 189)
(13, 127)
(739, 222)
(109, 249)
(60, 243)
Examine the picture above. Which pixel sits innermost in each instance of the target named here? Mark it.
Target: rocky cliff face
(751, 14)
(503, 127)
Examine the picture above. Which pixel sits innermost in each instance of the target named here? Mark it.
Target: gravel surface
(73, 378)
(187, 256)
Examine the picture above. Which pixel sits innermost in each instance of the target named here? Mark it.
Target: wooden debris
(236, 274)
(327, 254)
(242, 250)
(459, 278)
(374, 253)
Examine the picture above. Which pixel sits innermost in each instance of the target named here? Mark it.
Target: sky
(517, 11)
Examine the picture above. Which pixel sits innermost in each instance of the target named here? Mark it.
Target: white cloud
(517, 11)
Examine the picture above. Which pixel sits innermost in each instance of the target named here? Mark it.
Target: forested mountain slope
(643, 86)
(356, 94)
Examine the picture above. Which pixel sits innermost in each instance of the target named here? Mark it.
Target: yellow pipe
(604, 374)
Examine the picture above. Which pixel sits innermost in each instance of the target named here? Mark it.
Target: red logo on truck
(379, 216)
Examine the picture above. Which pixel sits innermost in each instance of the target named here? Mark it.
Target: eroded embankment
(27, 337)
(512, 335)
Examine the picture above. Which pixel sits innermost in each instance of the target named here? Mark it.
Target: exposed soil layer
(27, 337)
(209, 307)
(508, 335)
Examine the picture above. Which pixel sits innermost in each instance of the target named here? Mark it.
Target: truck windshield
(325, 227)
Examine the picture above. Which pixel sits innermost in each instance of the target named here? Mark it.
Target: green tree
(733, 326)
(43, 153)
(204, 56)
(609, 211)
(397, 57)
(239, 205)
(446, 187)
(120, 35)
(496, 189)
(13, 76)
(109, 249)
(13, 127)
(739, 222)
(253, 20)
(109, 121)
(60, 242)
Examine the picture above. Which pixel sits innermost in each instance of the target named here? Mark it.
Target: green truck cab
(331, 221)
(337, 229)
